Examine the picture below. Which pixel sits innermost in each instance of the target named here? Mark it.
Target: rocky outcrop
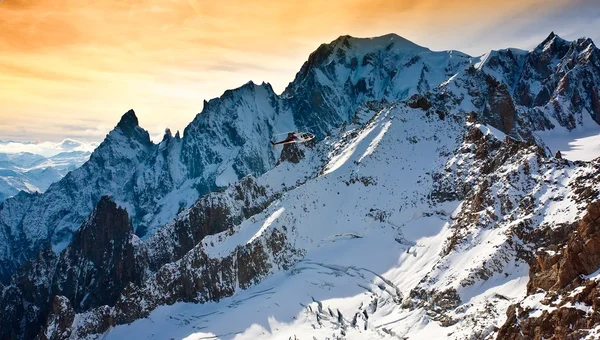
(211, 214)
(24, 304)
(101, 260)
(92, 271)
(420, 102)
(571, 299)
(500, 110)
(60, 320)
(198, 278)
(559, 264)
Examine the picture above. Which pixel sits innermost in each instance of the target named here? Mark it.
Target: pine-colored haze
(72, 68)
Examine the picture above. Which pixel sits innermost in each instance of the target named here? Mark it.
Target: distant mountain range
(428, 206)
(31, 173)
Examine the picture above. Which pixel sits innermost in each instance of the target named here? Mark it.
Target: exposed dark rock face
(106, 263)
(436, 301)
(418, 101)
(60, 320)
(500, 110)
(24, 303)
(128, 125)
(558, 155)
(12, 314)
(198, 278)
(578, 255)
(211, 214)
(291, 153)
(92, 271)
(558, 272)
(101, 260)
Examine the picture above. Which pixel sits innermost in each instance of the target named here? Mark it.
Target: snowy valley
(31, 173)
(432, 204)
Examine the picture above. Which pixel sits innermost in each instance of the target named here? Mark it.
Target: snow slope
(581, 143)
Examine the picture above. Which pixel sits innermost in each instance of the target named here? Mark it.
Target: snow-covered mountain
(34, 173)
(416, 213)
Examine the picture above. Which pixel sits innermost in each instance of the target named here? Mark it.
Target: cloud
(46, 149)
(97, 132)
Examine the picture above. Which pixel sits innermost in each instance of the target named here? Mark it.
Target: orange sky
(72, 68)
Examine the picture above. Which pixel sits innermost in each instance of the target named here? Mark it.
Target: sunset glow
(70, 69)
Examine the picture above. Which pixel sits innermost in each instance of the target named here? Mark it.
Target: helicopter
(295, 137)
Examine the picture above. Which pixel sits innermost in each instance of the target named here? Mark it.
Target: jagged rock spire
(128, 121)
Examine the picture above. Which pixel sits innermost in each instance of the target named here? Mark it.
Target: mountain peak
(129, 127)
(550, 37)
(346, 48)
(108, 222)
(586, 42)
(387, 41)
(128, 121)
(553, 41)
(167, 136)
(250, 87)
